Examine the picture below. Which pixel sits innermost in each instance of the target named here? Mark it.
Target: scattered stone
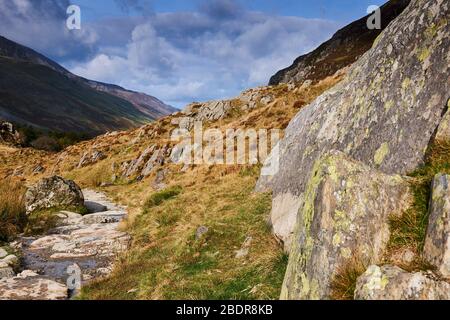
(437, 243)
(91, 157)
(53, 192)
(392, 283)
(38, 169)
(3, 253)
(245, 249)
(201, 231)
(404, 257)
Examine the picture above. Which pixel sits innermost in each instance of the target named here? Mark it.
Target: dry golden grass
(343, 284)
(12, 209)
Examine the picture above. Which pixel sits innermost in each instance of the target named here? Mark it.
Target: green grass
(42, 221)
(168, 261)
(409, 230)
(158, 198)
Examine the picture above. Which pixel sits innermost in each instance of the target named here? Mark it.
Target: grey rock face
(437, 242)
(392, 283)
(53, 192)
(383, 114)
(345, 214)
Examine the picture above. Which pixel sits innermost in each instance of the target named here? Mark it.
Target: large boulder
(53, 192)
(392, 283)
(345, 215)
(437, 243)
(384, 113)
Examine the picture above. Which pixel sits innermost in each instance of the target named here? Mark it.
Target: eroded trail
(80, 248)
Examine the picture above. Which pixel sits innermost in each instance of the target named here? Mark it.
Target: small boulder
(53, 192)
(6, 272)
(3, 253)
(392, 283)
(200, 232)
(437, 242)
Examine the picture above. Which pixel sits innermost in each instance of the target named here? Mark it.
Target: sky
(179, 51)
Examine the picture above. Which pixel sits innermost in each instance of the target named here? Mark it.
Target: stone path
(86, 245)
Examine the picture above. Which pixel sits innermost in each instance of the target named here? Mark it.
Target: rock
(9, 134)
(30, 286)
(94, 207)
(437, 243)
(245, 249)
(104, 217)
(443, 132)
(403, 257)
(383, 114)
(201, 231)
(159, 184)
(11, 260)
(3, 253)
(6, 272)
(137, 164)
(91, 157)
(53, 192)
(392, 283)
(38, 169)
(345, 214)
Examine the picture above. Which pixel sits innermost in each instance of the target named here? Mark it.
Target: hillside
(63, 101)
(343, 49)
(358, 208)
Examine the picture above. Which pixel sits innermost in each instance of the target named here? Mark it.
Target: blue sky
(178, 50)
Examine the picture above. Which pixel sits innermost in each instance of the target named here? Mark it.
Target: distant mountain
(37, 91)
(343, 49)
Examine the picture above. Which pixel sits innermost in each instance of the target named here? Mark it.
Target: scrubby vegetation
(48, 140)
(12, 209)
(343, 285)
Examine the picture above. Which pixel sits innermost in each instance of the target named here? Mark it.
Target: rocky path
(80, 249)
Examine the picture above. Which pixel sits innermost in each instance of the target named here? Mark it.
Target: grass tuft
(409, 230)
(12, 209)
(343, 285)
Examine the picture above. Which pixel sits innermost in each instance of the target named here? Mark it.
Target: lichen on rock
(345, 213)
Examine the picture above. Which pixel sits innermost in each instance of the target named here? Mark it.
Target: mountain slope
(63, 101)
(343, 49)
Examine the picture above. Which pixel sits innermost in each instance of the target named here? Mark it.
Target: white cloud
(214, 52)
